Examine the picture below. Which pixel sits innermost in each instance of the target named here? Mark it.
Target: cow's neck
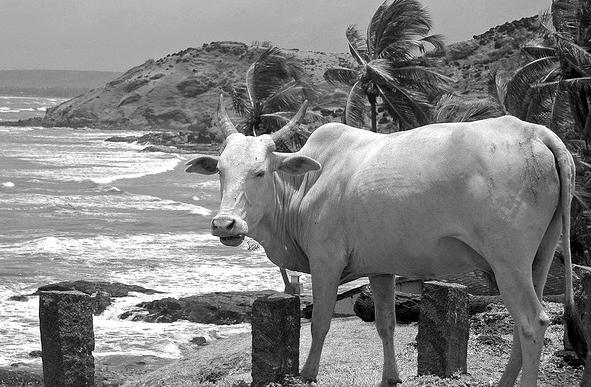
(280, 230)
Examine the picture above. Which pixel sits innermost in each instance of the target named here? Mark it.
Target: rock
(220, 308)
(100, 301)
(364, 307)
(20, 378)
(67, 338)
(407, 306)
(36, 353)
(569, 357)
(115, 289)
(199, 340)
(122, 139)
(19, 298)
(442, 340)
(275, 338)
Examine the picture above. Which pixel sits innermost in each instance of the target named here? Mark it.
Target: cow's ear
(206, 165)
(296, 165)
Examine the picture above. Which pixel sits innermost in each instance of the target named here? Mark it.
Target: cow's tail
(566, 172)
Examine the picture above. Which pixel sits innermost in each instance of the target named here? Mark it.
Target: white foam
(8, 184)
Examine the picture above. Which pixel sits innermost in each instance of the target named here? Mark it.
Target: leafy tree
(276, 85)
(388, 67)
(554, 88)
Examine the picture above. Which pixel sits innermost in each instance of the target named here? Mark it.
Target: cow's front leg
(324, 293)
(382, 288)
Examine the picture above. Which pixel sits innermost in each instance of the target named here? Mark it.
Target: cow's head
(246, 166)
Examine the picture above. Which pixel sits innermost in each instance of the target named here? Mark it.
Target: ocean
(73, 206)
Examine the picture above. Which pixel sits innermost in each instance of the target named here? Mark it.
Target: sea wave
(105, 205)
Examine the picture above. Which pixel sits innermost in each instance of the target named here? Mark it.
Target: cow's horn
(289, 129)
(227, 126)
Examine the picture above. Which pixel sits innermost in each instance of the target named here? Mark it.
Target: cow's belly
(450, 229)
(445, 256)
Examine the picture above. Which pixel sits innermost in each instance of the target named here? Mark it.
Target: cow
(491, 195)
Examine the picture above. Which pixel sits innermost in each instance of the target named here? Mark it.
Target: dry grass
(353, 357)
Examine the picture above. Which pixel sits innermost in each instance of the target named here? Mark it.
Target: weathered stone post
(67, 338)
(275, 338)
(442, 341)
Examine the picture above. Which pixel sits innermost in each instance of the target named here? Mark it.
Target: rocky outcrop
(115, 289)
(180, 91)
(180, 142)
(100, 292)
(222, 308)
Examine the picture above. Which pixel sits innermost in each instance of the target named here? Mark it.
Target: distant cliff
(179, 91)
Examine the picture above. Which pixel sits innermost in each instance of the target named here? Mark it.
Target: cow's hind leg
(541, 266)
(516, 287)
(382, 287)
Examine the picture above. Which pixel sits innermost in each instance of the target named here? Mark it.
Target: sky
(114, 35)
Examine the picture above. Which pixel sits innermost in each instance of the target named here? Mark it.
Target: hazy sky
(118, 34)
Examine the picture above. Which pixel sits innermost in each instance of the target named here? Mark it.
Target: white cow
(442, 199)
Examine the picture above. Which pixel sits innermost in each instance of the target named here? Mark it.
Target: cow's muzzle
(228, 229)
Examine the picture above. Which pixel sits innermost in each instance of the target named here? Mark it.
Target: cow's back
(406, 194)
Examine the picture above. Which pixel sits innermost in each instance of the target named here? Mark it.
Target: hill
(179, 91)
(51, 83)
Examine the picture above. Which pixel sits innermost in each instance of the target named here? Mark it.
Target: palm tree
(276, 85)
(388, 67)
(554, 88)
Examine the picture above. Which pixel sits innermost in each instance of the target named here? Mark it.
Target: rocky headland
(178, 93)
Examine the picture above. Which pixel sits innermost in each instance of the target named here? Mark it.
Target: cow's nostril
(221, 223)
(230, 224)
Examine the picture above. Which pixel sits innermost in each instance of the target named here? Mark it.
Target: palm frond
(422, 78)
(240, 101)
(396, 28)
(357, 43)
(497, 89)
(518, 86)
(341, 75)
(576, 56)
(408, 107)
(451, 108)
(269, 72)
(379, 71)
(354, 114)
(560, 120)
(537, 52)
(565, 18)
(288, 97)
(435, 40)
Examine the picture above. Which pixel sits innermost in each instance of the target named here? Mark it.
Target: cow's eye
(260, 174)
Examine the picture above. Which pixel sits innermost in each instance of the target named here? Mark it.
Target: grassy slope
(353, 357)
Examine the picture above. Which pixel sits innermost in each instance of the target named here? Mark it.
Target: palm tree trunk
(374, 127)
(372, 101)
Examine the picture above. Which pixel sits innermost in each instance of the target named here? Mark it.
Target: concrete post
(67, 338)
(442, 341)
(275, 338)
